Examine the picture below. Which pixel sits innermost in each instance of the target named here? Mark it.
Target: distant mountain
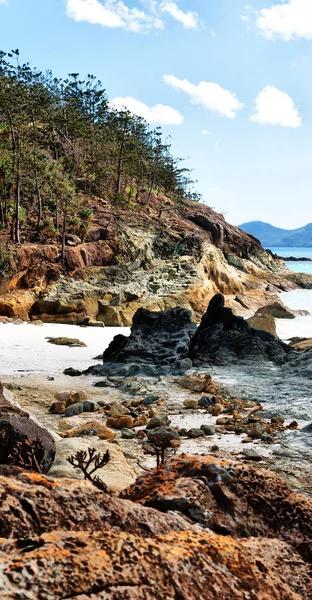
(275, 237)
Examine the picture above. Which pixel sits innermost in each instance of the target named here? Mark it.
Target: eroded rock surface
(224, 338)
(159, 342)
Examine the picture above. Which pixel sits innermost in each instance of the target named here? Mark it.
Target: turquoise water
(297, 267)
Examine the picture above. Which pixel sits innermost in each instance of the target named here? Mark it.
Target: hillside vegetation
(62, 144)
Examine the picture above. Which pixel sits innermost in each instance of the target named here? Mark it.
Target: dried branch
(89, 462)
(28, 454)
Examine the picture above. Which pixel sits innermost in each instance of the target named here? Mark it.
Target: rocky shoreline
(224, 496)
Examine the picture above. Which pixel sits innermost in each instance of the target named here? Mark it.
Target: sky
(229, 80)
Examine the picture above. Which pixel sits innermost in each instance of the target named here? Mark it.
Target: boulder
(223, 338)
(276, 310)
(17, 429)
(91, 428)
(122, 422)
(157, 339)
(190, 403)
(263, 322)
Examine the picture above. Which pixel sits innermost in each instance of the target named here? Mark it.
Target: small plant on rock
(28, 455)
(162, 442)
(89, 462)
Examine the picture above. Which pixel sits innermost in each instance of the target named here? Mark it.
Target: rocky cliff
(158, 255)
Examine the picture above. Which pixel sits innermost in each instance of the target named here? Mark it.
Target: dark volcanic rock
(158, 339)
(16, 428)
(224, 338)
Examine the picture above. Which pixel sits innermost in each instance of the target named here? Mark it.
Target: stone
(127, 434)
(252, 455)
(293, 425)
(74, 409)
(57, 408)
(223, 338)
(205, 401)
(208, 429)
(190, 403)
(158, 421)
(63, 341)
(149, 400)
(71, 372)
(122, 422)
(276, 310)
(14, 387)
(256, 431)
(14, 429)
(117, 410)
(301, 344)
(263, 322)
(140, 421)
(195, 433)
(197, 382)
(91, 428)
(153, 412)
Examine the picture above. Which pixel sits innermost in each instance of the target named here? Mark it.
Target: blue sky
(246, 129)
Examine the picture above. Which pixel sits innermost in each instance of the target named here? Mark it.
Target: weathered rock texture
(156, 257)
(223, 338)
(158, 339)
(66, 539)
(16, 427)
(229, 498)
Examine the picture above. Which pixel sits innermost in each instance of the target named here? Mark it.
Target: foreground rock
(22, 440)
(223, 338)
(66, 539)
(158, 344)
(115, 566)
(229, 498)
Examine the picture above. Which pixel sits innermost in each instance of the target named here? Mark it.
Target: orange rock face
(67, 539)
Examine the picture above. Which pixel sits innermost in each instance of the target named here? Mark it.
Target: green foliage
(5, 258)
(60, 141)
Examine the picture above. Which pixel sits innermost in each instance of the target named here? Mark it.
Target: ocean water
(300, 266)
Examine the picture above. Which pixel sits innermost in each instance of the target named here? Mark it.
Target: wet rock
(127, 434)
(197, 382)
(190, 403)
(57, 408)
(263, 322)
(18, 429)
(79, 407)
(158, 421)
(195, 433)
(148, 400)
(122, 422)
(71, 372)
(205, 401)
(277, 310)
(252, 455)
(223, 338)
(117, 410)
(157, 339)
(63, 341)
(209, 429)
(92, 428)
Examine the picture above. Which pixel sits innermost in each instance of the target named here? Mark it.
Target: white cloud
(205, 132)
(156, 115)
(112, 13)
(208, 94)
(188, 19)
(116, 13)
(275, 107)
(287, 20)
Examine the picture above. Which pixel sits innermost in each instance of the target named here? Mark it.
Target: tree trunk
(18, 194)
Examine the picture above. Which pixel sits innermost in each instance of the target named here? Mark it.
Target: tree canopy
(61, 142)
